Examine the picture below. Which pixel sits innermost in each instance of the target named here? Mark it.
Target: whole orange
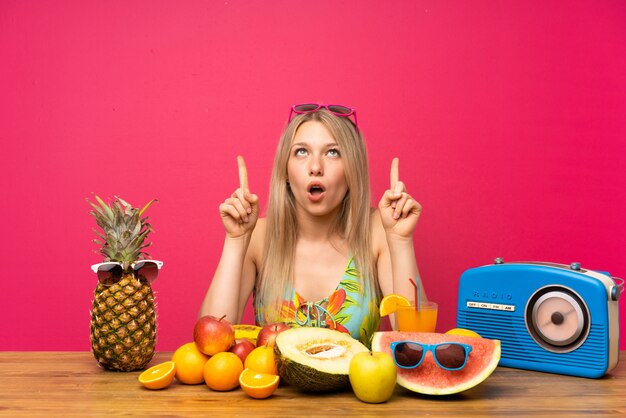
(189, 362)
(222, 371)
(261, 359)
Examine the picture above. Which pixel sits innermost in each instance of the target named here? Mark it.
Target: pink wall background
(509, 118)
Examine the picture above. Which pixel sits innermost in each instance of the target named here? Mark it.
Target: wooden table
(72, 384)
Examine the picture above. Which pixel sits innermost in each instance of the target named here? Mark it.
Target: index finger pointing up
(395, 173)
(243, 173)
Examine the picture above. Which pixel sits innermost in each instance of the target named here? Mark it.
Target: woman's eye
(299, 152)
(333, 152)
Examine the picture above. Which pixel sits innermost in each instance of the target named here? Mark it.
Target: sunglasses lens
(109, 274)
(304, 108)
(450, 356)
(408, 354)
(340, 110)
(147, 270)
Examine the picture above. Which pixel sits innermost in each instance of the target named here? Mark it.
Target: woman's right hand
(240, 212)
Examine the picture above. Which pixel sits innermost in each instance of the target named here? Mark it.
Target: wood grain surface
(60, 384)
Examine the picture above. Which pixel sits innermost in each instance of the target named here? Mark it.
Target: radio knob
(557, 318)
(498, 260)
(575, 266)
(615, 292)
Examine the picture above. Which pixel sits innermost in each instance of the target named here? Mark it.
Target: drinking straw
(417, 294)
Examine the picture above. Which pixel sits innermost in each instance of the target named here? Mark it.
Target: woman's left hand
(398, 210)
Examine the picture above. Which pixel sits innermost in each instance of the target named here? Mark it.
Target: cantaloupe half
(315, 359)
(430, 379)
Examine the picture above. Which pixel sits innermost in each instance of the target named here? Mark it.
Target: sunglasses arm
(290, 113)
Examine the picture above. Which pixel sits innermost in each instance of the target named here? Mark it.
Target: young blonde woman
(322, 256)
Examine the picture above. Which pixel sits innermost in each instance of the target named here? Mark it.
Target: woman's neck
(316, 237)
(315, 228)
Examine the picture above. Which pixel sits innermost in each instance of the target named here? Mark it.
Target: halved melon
(430, 379)
(315, 359)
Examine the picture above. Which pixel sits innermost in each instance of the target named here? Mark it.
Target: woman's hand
(398, 210)
(240, 211)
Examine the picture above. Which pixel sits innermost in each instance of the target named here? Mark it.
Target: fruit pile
(224, 357)
(312, 359)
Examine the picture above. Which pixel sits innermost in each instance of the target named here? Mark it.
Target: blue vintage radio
(549, 317)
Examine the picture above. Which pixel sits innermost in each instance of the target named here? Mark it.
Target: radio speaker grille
(517, 344)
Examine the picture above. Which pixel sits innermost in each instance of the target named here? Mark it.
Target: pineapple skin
(123, 324)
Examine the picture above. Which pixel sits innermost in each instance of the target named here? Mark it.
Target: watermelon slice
(430, 379)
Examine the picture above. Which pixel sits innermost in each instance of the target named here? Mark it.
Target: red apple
(267, 335)
(213, 335)
(242, 348)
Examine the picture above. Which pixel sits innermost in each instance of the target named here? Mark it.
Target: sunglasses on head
(448, 356)
(337, 110)
(111, 272)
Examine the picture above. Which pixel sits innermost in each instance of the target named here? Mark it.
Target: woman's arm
(395, 262)
(226, 289)
(235, 274)
(393, 228)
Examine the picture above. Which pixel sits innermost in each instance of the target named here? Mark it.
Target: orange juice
(410, 319)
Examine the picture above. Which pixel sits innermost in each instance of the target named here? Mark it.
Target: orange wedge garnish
(159, 376)
(258, 385)
(390, 303)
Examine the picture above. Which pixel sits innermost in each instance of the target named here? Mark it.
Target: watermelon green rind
(429, 378)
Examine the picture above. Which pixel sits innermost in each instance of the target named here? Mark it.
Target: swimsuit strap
(313, 313)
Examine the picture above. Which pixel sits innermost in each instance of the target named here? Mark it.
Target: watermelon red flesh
(428, 377)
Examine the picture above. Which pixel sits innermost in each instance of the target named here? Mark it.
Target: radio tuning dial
(575, 266)
(557, 319)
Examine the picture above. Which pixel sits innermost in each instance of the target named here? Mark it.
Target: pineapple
(123, 320)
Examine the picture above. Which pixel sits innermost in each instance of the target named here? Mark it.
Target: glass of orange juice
(423, 320)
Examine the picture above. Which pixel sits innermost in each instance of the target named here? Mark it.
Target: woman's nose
(315, 167)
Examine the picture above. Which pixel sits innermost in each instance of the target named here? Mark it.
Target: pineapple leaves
(146, 207)
(100, 234)
(99, 214)
(106, 207)
(128, 208)
(97, 209)
(123, 230)
(137, 228)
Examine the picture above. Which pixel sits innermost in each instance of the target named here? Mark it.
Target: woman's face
(315, 170)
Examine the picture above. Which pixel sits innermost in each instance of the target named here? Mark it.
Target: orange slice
(390, 303)
(159, 376)
(258, 385)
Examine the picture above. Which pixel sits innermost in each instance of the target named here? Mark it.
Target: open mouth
(315, 190)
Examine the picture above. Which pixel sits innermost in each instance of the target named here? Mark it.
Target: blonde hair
(352, 222)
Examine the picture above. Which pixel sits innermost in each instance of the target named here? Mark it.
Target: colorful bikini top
(346, 309)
